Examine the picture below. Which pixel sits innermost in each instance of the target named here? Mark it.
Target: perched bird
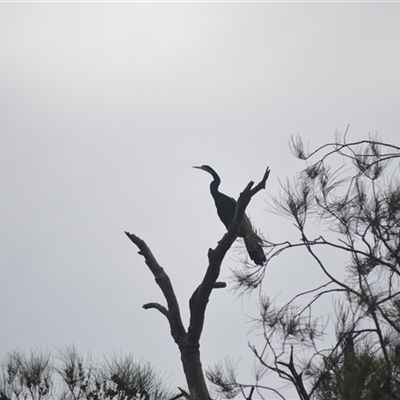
(226, 211)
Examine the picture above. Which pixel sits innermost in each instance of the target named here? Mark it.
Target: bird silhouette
(226, 207)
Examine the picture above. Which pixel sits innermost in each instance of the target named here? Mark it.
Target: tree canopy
(345, 204)
(69, 376)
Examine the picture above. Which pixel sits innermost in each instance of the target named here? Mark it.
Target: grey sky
(104, 108)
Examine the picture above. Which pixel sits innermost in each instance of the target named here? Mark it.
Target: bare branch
(163, 281)
(362, 213)
(158, 307)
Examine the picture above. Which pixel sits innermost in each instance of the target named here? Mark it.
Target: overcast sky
(104, 108)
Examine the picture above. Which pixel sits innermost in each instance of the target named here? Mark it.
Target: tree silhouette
(188, 340)
(71, 377)
(351, 191)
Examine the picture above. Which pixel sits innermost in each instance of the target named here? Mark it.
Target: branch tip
(158, 307)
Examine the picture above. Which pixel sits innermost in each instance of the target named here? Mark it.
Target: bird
(226, 207)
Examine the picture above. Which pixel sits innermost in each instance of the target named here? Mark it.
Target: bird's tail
(253, 243)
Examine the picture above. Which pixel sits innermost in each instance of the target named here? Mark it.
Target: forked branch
(162, 279)
(188, 342)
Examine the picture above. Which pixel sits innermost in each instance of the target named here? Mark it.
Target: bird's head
(216, 181)
(208, 169)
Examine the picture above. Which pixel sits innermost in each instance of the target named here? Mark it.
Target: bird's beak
(197, 167)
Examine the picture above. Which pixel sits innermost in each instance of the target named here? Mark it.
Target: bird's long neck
(214, 185)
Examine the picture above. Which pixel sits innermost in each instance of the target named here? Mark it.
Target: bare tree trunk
(189, 341)
(190, 357)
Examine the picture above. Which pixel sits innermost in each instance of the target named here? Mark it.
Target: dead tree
(188, 339)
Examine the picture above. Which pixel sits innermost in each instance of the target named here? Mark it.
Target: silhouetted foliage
(352, 192)
(26, 378)
(73, 378)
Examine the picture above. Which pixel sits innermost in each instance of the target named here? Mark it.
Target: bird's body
(226, 207)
